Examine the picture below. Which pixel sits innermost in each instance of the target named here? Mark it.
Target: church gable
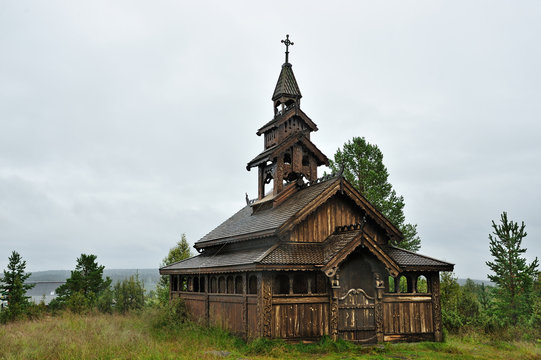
(336, 211)
(338, 205)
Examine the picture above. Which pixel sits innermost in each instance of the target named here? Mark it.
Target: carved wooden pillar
(279, 175)
(380, 289)
(313, 169)
(265, 304)
(436, 305)
(335, 292)
(296, 159)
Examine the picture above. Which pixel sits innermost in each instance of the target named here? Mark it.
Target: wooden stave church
(312, 257)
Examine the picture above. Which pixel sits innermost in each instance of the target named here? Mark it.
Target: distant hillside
(479, 282)
(150, 277)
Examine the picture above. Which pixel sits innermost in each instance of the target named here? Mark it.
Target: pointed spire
(287, 84)
(286, 89)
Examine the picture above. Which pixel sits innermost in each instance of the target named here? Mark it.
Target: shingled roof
(289, 255)
(219, 258)
(263, 222)
(408, 260)
(287, 84)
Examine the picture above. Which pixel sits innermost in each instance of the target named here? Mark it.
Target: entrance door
(356, 320)
(357, 297)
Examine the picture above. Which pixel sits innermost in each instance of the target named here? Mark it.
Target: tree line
(85, 290)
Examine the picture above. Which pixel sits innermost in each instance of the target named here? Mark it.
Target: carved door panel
(356, 316)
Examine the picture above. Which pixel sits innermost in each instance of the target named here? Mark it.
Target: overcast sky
(124, 124)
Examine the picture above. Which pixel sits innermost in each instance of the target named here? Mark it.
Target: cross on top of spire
(287, 42)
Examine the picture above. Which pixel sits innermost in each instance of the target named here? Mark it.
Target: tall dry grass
(97, 336)
(145, 335)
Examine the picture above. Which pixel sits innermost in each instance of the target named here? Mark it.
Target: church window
(238, 285)
(422, 284)
(213, 285)
(230, 285)
(319, 286)
(281, 284)
(390, 284)
(300, 284)
(402, 285)
(305, 161)
(221, 285)
(287, 158)
(202, 284)
(252, 285)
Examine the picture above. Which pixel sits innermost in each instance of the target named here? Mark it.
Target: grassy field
(141, 336)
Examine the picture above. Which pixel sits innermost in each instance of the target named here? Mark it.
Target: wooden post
(436, 306)
(261, 182)
(378, 302)
(265, 304)
(207, 300)
(279, 176)
(335, 289)
(245, 304)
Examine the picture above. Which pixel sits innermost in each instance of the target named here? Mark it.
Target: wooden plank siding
(195, 304)
(323, 222)
(300, 317)
(407, 315)
(224, 310)
(319, 225)
(251, 313)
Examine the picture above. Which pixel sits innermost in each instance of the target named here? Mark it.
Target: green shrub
(171, 315)
(451, 320)
(105, 302)
(129, 294)
(78, 303)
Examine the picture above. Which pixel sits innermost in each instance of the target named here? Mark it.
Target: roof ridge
(319, 180)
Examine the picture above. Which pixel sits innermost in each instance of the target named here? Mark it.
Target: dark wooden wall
(366, 315)
(408, 317)
(301, 317)
(337, 211)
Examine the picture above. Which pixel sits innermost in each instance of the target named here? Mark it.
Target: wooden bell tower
(288, 155)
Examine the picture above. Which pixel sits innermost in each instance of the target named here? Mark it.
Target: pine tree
(179, 252)
(513, 276)
(13, 285)
(363, 167)
(85, 283)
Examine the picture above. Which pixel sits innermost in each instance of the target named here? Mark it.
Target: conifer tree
(363, 167)
(511, 273)
(86, 282)
(177, 253)
(13, 285)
